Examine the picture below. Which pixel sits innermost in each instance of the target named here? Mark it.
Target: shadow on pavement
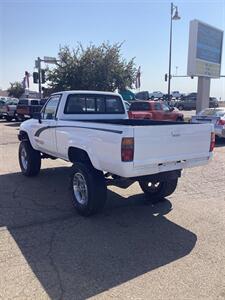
(12, 124)
(76, 258)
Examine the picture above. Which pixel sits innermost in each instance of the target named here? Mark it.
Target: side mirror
(37, 116)
(171, 108)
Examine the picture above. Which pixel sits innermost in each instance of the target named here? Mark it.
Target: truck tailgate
(23, 109)
(171, 143)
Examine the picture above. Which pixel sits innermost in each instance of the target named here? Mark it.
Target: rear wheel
(88, 189)
(20, 118)
(29, 159)
(155, 191)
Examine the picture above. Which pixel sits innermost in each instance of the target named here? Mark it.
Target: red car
(154, 110)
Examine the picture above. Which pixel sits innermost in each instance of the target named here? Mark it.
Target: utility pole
(39, 76)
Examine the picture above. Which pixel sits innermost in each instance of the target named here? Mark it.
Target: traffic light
(43, 78)
(35, 77)
(166, 77)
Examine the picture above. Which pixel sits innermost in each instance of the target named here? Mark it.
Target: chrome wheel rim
(80, 189)
(24, 158)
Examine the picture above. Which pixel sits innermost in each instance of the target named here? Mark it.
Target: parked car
(8, 109)
(215, 116)
(166, 97)
(2, 103)
(27, 107)
(3, 98)
(213, 102)
(176, 94)
(144, 95)
(107, 148)
(189, 102)
(154, 110)
(157, 94)
(186, 103)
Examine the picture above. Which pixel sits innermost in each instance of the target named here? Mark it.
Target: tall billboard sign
(205, 50)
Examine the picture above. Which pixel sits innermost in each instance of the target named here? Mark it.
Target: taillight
(213, 141)
(220, 122)
(127, 149)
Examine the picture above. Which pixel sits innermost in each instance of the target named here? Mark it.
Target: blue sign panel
(209, 44)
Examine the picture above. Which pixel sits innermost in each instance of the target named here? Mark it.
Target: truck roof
(88, 92)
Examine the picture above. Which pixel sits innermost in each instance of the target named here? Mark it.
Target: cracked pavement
(172, 250)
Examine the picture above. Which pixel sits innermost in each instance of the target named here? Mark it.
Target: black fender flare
(23, 136)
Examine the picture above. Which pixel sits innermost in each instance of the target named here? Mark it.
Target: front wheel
(88, 189)
(9, 118)
(29, 159)
(155, 191)
(180, 119)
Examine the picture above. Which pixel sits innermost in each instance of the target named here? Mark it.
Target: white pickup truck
(92, 130)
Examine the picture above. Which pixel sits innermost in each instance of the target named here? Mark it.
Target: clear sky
(29, 29)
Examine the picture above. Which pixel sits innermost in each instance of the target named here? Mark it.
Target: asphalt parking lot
(172, 250)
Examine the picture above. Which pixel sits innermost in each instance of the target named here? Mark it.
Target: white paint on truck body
(157, 148)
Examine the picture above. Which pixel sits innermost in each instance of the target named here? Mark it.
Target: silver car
(216, 116)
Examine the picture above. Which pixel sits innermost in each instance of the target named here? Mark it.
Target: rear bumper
(219, 131)
(128, 170)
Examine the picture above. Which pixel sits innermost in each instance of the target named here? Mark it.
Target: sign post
(39, 76)
(203, 93)
(48, 60)
(204, 58)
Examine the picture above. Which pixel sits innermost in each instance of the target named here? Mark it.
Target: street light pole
(175, 17)
(170, 50)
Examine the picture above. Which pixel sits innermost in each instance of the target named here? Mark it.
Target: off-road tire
(96, 189)
(33, 159)
(8, 118)
(164, 189)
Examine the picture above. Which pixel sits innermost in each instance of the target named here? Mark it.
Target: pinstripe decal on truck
(39, 131)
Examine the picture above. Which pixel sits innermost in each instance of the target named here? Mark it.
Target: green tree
(15, 90)
(92, 68)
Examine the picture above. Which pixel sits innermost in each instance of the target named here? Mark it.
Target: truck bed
(132, 122)
(159, 146)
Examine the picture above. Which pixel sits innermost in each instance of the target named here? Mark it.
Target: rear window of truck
(93, 104)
